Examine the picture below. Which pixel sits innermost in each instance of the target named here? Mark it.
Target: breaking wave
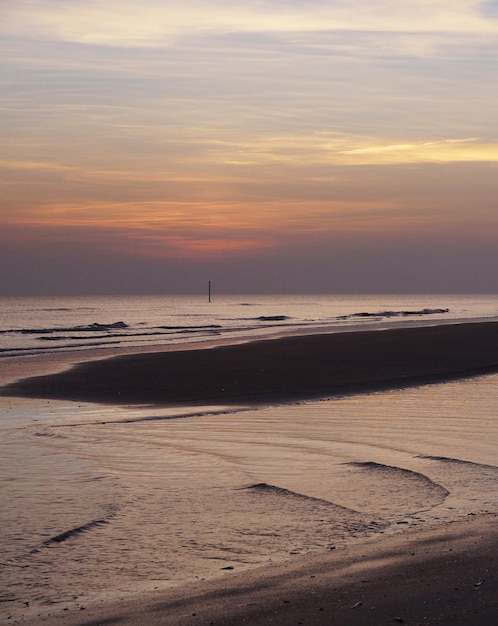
(381, 314)
(62, 328)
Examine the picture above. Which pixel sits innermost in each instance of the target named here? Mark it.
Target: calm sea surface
(153, 497)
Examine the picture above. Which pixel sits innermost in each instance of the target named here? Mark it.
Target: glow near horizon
(209, 130)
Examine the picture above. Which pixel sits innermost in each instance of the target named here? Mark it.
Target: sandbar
(277, 370)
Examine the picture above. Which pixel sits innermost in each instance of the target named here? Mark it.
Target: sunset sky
(266, 145)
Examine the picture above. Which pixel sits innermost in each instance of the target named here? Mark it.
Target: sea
(103, 502)
(30, 326)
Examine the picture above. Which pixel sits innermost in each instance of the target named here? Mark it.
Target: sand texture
(438, 576)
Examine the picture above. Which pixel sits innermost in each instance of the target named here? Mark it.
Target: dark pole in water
(209, 291)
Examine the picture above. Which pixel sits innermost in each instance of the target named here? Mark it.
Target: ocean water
(154, 497)
(31, 326)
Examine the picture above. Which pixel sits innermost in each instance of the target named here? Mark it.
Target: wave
(445, 459)
(393, 313)
(74, 334)
(32, 350)
(394, 470)
(272, 318)
(23, 560)
(173, 331)
(102, 328)
(287, 493)
(339, 521)
(67, 534)
(96, 335)
(96, 326)
(202, 327)
(397, 488)
(156, 418)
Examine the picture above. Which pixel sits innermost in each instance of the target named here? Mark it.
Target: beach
(436, 576)
(265, 503)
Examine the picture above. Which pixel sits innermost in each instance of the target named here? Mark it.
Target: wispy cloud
(444, 151)
(154, 23)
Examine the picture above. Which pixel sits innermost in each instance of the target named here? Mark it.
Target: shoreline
(444, 574)
(282, 370)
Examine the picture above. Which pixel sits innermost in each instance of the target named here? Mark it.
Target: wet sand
(440, 575)
(435, 573)
(279, 370)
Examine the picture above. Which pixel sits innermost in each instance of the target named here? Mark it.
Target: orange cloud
(202, 230)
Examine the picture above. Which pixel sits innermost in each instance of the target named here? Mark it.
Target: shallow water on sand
(132, 499)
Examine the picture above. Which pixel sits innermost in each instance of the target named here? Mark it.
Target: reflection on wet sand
(150, 501)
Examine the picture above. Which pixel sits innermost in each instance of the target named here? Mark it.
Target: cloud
(489, 8)
(444, 151)
(155, 23)
(219, 129)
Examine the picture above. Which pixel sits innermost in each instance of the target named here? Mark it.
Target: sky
(270, 146)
